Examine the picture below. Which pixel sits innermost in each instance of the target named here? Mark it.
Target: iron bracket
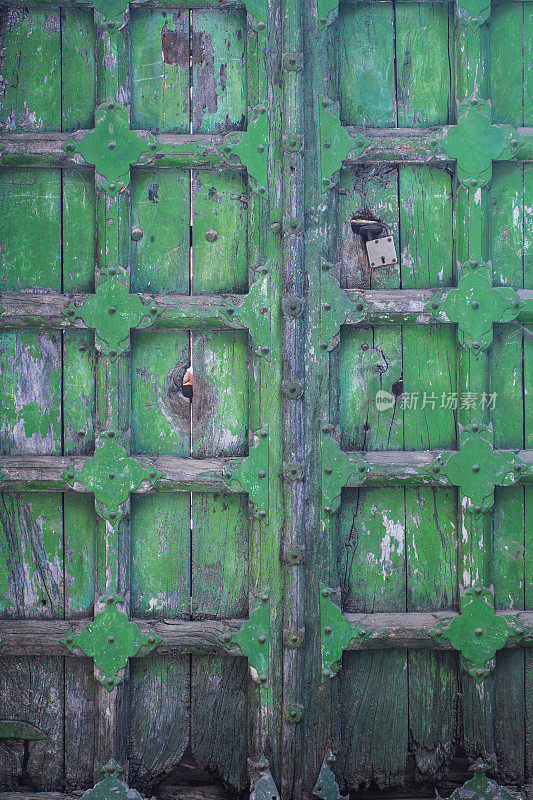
(336, 633)
(473, 13)
(475, 305)
(251, 474)
(335, 143)
(252, 640)
(480, 787)
(262, 783)
(111, 639)
(254, 313)
(111, 474)
(476, 468)
(336, 309)
(111, 13)
(327, 11)
(337, 469)
(474, 143)
(112, 311)
(326, 787)
(111, 786)
(478, 632)
(258, 10)
(15, 729)
(112, 147)
(251, 148)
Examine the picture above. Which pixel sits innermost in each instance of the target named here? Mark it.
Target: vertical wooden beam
(320, 56)
(112, 400)
(293, 369)
(471, 243)
(264, 247)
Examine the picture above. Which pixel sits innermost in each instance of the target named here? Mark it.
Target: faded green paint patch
(30, 378)
(31, 556)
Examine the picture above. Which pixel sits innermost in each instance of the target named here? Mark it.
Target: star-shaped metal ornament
(112, 311)
(478, 632)
(475, 305)
(112, 474)
(110, 640)
(476, 468)
(112, 147)
(475, 142)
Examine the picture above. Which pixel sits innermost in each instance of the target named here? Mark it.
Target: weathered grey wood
(386, 306)
(29, 309)
(38, 473)
(201, 151)
(28, 637)
(409, 629)
(412, 629)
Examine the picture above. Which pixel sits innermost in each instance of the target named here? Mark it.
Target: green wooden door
(266, 518)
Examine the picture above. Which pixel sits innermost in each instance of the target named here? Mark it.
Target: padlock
(381, 252)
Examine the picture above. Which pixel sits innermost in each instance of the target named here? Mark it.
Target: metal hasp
(476, 305)
(111, 786)
(253, 640)
(262, 783)
(111, 474)
(254, 313)
(112, 312)
(251, 474)
(251, 148)
(326, 787)
(336, 309)
(476, 468)
(335, 142)
(475, 142)
(112, 147)
(14, 729)
(110, 640)
(336, 633)
(481, 788)
(478, 632)
(337, 469)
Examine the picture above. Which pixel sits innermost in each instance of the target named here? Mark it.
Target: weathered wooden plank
(390, 630)
(424, 57)
(160, 208)
(160, 410)
(367, 92)
(31, 70)
(218, 71)
(77, 69)
(160, 70)
(219, 427)
(32, 691)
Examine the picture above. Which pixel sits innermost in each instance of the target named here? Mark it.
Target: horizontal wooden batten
(411, 145)
(391, 145)
(23, 637)
(36, 473)
(385, 306)
(412, 629)
(47, 310)
(38, 149)
(44, 473)
(413, 468)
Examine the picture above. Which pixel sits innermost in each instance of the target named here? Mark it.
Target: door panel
(235, 553)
